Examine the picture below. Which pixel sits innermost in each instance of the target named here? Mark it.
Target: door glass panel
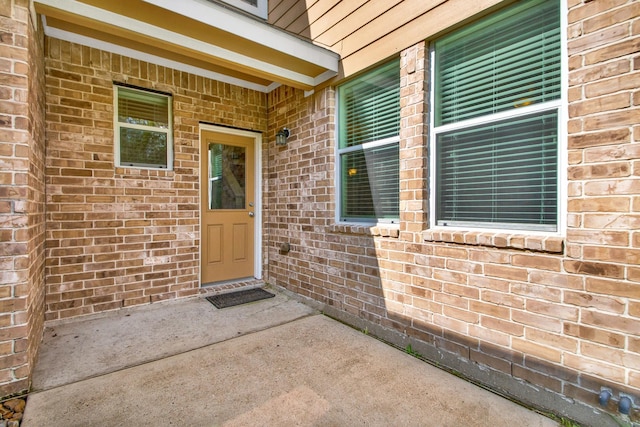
(226, 177)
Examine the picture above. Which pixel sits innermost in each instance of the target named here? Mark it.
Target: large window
(368, 132)
(496, 112)
(143, 128)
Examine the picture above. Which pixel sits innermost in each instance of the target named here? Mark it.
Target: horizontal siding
(437, 20)
(385, 24)
(277, 8)
(290, 11)
(366, 32)
(351, 26)
(318, 8)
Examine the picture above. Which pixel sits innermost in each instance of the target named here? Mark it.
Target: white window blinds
(369, 126)
(507, 61)
(143, 128)
(497, 98)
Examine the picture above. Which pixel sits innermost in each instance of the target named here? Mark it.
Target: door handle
(251, 214)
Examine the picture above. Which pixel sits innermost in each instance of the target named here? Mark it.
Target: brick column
(603, 243)
(413, 148)
(21, 195)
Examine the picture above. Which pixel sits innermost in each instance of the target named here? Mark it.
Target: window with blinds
(495, 120)
(368, 132)
(142, 128)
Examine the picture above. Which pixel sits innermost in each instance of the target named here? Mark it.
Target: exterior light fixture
(281, 136)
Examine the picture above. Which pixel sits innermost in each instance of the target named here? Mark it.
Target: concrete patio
(271, 362)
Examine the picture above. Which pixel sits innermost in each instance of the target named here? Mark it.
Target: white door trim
(257, 144)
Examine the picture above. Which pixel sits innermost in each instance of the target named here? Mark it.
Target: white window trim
(117, 125)
(261, 11)
(339, 151)
(370, 145)
(559, 105)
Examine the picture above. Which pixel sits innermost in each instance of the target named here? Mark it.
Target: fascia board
(155, 32)
(251, 29)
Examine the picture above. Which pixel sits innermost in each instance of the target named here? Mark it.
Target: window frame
(118, 125)
(559, 105)
(370, 145)
(261, 10)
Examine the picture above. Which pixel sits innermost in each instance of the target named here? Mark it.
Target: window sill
(379, 230)
(532, 242)
(131, 172)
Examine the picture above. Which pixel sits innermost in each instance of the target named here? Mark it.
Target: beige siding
(332, 32)
(366, 32)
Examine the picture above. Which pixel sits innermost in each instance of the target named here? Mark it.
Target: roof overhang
(196, 36)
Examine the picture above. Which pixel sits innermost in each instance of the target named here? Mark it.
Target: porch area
(272, 362)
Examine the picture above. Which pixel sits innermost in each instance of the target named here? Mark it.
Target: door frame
(257, 146)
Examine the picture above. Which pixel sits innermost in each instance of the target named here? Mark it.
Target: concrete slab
(97, 345)
(307, 371)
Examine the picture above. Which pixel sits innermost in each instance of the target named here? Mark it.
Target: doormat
(239, 297)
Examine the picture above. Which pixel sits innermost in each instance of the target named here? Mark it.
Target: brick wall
(559, 312)
(21, 195)
(299, 189)
(123, 236)
(604, 191)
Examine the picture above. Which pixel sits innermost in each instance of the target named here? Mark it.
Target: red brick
(596, 335)
(595, 268)
(599, 302)
(609, 254)
(510, 328)
(581, 75)
(505, 272)
(600, 204)
(592, 139)
(611, 17)
(538, 350)
(557, 341)
(588, 9)
(611, 85)
(489, 335)
(502, 299)
(537, 291)
(552, 309)
(595, 367)
(539, 262)
(606, 36)
(612, 221)
(622, 48)
(539, 321)
(609, 170)
(610, 321)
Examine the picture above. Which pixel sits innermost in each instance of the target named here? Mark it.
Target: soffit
(192, 35)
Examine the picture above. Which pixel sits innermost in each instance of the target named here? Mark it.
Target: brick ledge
(367, 230)
(551, 244)
(151, 174)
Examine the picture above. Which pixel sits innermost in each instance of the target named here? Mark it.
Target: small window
(368, 151)
(143, 130)
(259, 8)
(496, 120)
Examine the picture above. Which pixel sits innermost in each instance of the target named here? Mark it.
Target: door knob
(251, 214)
